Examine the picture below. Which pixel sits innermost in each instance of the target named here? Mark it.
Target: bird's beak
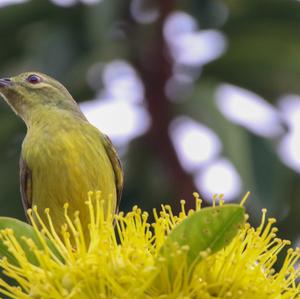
(5, 82)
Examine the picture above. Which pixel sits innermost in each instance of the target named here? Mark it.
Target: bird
(63, 156)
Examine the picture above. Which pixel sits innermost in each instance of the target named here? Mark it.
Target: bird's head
(30, 91)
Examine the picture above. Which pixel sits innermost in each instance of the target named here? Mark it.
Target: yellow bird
(63, 156)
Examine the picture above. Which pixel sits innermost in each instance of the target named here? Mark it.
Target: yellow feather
(67, 159)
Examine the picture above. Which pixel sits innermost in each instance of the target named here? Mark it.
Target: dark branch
(155, 68)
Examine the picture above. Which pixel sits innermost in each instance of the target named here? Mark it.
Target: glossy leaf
(20, 230)
(208, 229)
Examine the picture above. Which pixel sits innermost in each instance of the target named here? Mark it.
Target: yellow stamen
(122, 259)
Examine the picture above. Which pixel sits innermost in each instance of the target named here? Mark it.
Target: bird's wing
(25, 185)
(117, 167)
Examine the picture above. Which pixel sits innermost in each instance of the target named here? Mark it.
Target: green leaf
(22, 229)
(208, 229)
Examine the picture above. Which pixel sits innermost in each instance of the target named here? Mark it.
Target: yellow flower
(123, 260)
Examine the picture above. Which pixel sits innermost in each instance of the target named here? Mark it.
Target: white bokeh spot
(121, 121)
(219, 177)
(289, 147)
(90, 2)
(249, 110)
(195, 144)
(67, 3)
(118, 109)
(122, 82)
(190, 46)
(179, 23)
(144, 12)
(11, 2)
(198, 48)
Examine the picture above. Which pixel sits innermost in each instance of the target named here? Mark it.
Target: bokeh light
(190, 46)
(289, 146)
(249, 110)
(118, 110)
(65, 3)
(194, 143)
(219, 177)
(144, 12)
(121, 121)
(122, 82)
(11, 2)
(179, 23)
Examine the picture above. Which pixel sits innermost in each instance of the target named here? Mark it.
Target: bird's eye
(33, 79)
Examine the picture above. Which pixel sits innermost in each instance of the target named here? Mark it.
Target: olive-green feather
(117, 166)
(25, 185)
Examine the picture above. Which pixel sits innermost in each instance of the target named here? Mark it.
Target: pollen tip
(196, 194)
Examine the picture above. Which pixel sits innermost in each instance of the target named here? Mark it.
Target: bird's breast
(65, 164)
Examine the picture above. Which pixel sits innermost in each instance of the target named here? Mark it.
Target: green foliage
(205, 231)
(21, 231)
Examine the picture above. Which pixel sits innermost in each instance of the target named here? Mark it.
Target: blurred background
(197, 95)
